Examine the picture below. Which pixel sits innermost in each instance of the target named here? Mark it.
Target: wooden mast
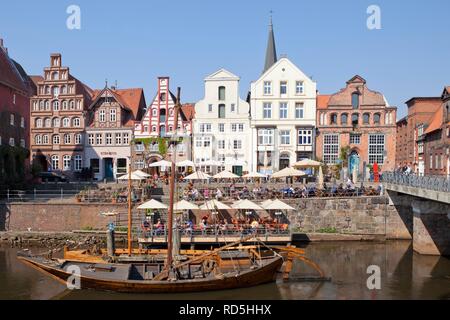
(172, 190)
(129, 209)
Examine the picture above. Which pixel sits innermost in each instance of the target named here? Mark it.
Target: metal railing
(436, 183)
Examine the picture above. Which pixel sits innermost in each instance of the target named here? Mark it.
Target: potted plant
(115, 194)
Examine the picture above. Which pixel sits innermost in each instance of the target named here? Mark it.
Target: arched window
(154, 112)
(45, 139)
(78, 139)
(154, 129)
(66, 122)
(376, 118)
(221, 93)
(333, 119)
(38, 123)
(64, 105)
(344, 118)
(67, 138)
(355, 100)
(66, 162)
(55, 75)
(64, 89)
(56, 105)
(56, 139)
(56, 122)
(56, 91)
(355, 119)
(38, 139)
(76, 122)
(48, 123)
(47, 105)
(366, 118)
(162, 97)
(55, 162)
(72, 105)
(42, 105)
(79, 104)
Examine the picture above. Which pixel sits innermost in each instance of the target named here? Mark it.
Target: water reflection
(404, 275)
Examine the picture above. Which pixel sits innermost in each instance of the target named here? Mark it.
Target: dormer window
(355, 100)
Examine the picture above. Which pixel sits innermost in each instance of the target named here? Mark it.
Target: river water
(404, 275)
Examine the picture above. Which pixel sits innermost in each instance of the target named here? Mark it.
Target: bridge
(423, 203)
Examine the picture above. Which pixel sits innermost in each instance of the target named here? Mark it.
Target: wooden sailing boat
(228, 267)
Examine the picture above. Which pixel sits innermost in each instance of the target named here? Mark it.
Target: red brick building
(436, 139)
(360, 119)
(58, 118)
(15, 91)
(409, 148)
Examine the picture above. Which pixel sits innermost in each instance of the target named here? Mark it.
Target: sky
(135, 41)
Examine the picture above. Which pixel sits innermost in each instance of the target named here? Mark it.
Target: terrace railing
(436, 183)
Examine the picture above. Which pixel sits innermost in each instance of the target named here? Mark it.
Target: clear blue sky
(134, 41)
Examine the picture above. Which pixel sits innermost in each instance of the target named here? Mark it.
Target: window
(355, 119)
(206, 141)
(162, 97)
(237, 144)
(11, 119)
(38, 139)
(205, 127)
(47, 105)
(55, 75)
(66, 122)
(198, 142)
(153, 129)
(56, 139)
(112, 115)
(14, 99)
(55, 162)
(376, 118)
(234, 127)
(109, 139)
(78, 139)
(48, 123)
(285, 137)
(22, 122)
(331, 148)
(267, 110)
(344, 119)
(118, 138)
(355, 100)
(299, 88)
(98, 139)
(12, 143)
(233, 107)
(38, 123)
(56, 122)
(78, 162)
(76, 122)
(267, 87)
(67, 138)
(355, 138)
(139, 164)
(22, 143)
(221, 127)
(283, 87)
(55, 91)
(376, 148)
(126, 139)
(283, 110)
(221, 158)
(431, 161)
(221, 93)
(154, 112)
(420, 147)
(64, 89)
(333, 119)
(64, 105)
(95, 165)
(304, 137)
(72, 105)
(241, 127)
(366, 118)
(299, 110)
(121, 165)
(45, 139)
(221, 144)
(66, 162)
(56, 105)
(101, 116)
(265, 137)
(221, 111)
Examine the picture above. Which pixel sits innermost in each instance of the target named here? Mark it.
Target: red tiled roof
(36, 79)
(188, 109)
(322, 101)
(436, 121)
(9, 75)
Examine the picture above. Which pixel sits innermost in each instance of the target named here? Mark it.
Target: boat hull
(263, 274)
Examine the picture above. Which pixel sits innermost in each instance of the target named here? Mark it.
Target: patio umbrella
(212, 163)
(307, 163)
(214, 205)
(245, 205)
(186, 163)
(134, 176)
(278, 205)
(225, 175)
(152, 204)
(288, 172)
(254, 175)
(109, 214)
(184, 205)
(141, 173)
(198, 175)
(320, 179)
(162, 163)
(266, 203)
(355, 176)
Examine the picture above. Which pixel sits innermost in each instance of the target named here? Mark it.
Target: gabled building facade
(283, 114)
(16, 88)
(221, 128)
(359, 120)
(109, 130)
(153, 132)
(58, 119)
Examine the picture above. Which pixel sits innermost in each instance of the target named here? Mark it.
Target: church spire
(271, 52)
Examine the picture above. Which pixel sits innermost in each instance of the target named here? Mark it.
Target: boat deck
(212, 240)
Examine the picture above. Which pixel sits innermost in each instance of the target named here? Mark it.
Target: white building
(221, 125)
(283, 114)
